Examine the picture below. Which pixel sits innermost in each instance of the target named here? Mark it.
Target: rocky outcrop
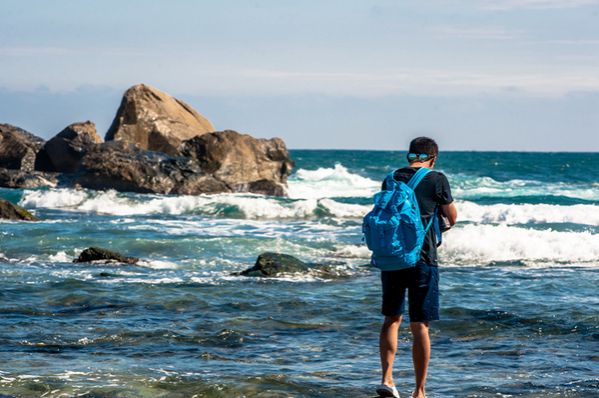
(144, 152)
(10, 211)
(30, 179)
(96, 254)
(18, 148)
(277, 264)
(245, 163)
(124, 167)
(62, 153)
(155, 121)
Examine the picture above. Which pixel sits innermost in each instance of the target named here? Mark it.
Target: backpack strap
(414, 181)
(418, 176)
(390, 182)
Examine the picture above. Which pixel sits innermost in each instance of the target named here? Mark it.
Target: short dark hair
(424, 145)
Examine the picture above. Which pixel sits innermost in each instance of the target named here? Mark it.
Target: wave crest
(487, 243)
(236, 206)
(337, 182)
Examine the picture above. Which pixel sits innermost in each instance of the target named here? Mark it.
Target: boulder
(277, 264)
(30, 179)
(103, 255)
(18, 148)
(10, 211)
(64, 150)
(124, 167)
(155, 121)
(245, 163)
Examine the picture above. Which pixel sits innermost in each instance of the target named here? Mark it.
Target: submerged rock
(245, 163)
(124, 167)
(98, 254)
(155, 121)
(276, 264)
(18, 148)
(63, 152)
(10, 211)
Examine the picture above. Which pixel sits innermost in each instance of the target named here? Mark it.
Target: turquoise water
(519, 275)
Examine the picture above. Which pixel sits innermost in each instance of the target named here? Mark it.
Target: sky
(485, 75)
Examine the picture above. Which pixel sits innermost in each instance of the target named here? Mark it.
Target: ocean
(519, 287)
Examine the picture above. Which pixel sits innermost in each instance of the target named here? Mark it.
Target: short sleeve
(443, 191)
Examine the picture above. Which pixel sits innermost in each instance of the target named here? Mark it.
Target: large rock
(10, 211)
(18, 148)
(245, 163)
(154, 120)
(63, 152)
(30, 179)
(124, 167)
(277, 264)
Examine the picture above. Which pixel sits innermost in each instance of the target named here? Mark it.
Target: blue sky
(475, 75)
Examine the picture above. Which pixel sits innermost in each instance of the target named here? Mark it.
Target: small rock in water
(276, 264)
(98, 254)
(10, 211)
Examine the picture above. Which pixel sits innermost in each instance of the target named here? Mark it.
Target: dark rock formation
(30, 179)
(154, 120)
(10, 211)
(146, 145)
(18, 148)
(277, 264)
(103, 255)
(62, 153)
(124, 167)
(245, 163)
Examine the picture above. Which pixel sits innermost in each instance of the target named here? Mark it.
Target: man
(421, 281)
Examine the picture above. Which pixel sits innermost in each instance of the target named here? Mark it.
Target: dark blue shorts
(422, 284)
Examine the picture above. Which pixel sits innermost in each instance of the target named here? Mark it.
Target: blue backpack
(393, 229)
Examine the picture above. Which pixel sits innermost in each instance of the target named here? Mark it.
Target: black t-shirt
(432, 191)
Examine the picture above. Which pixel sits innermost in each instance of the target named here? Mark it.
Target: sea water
(519, 278)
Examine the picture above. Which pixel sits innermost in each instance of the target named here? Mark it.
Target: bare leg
(388, 347)
(421, 353)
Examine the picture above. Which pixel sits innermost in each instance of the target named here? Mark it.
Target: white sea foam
(353, 251)
(255, 206)
(488, 243)
(54, 198)
(246, 206)
(60, 257)
(330, 183)
(528, 213)
(344, 210)
(160, 264)
(465, 187)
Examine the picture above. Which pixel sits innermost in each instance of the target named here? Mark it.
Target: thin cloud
(35, 51)
(574, 42)
(533, 4)
(472, 33)
(414, 81)
(61, 51)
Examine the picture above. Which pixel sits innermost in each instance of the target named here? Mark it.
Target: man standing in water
(421, 281)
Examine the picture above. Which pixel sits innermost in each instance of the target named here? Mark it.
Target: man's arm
(450, 212)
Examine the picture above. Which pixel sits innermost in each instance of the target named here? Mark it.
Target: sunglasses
(421, 156)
